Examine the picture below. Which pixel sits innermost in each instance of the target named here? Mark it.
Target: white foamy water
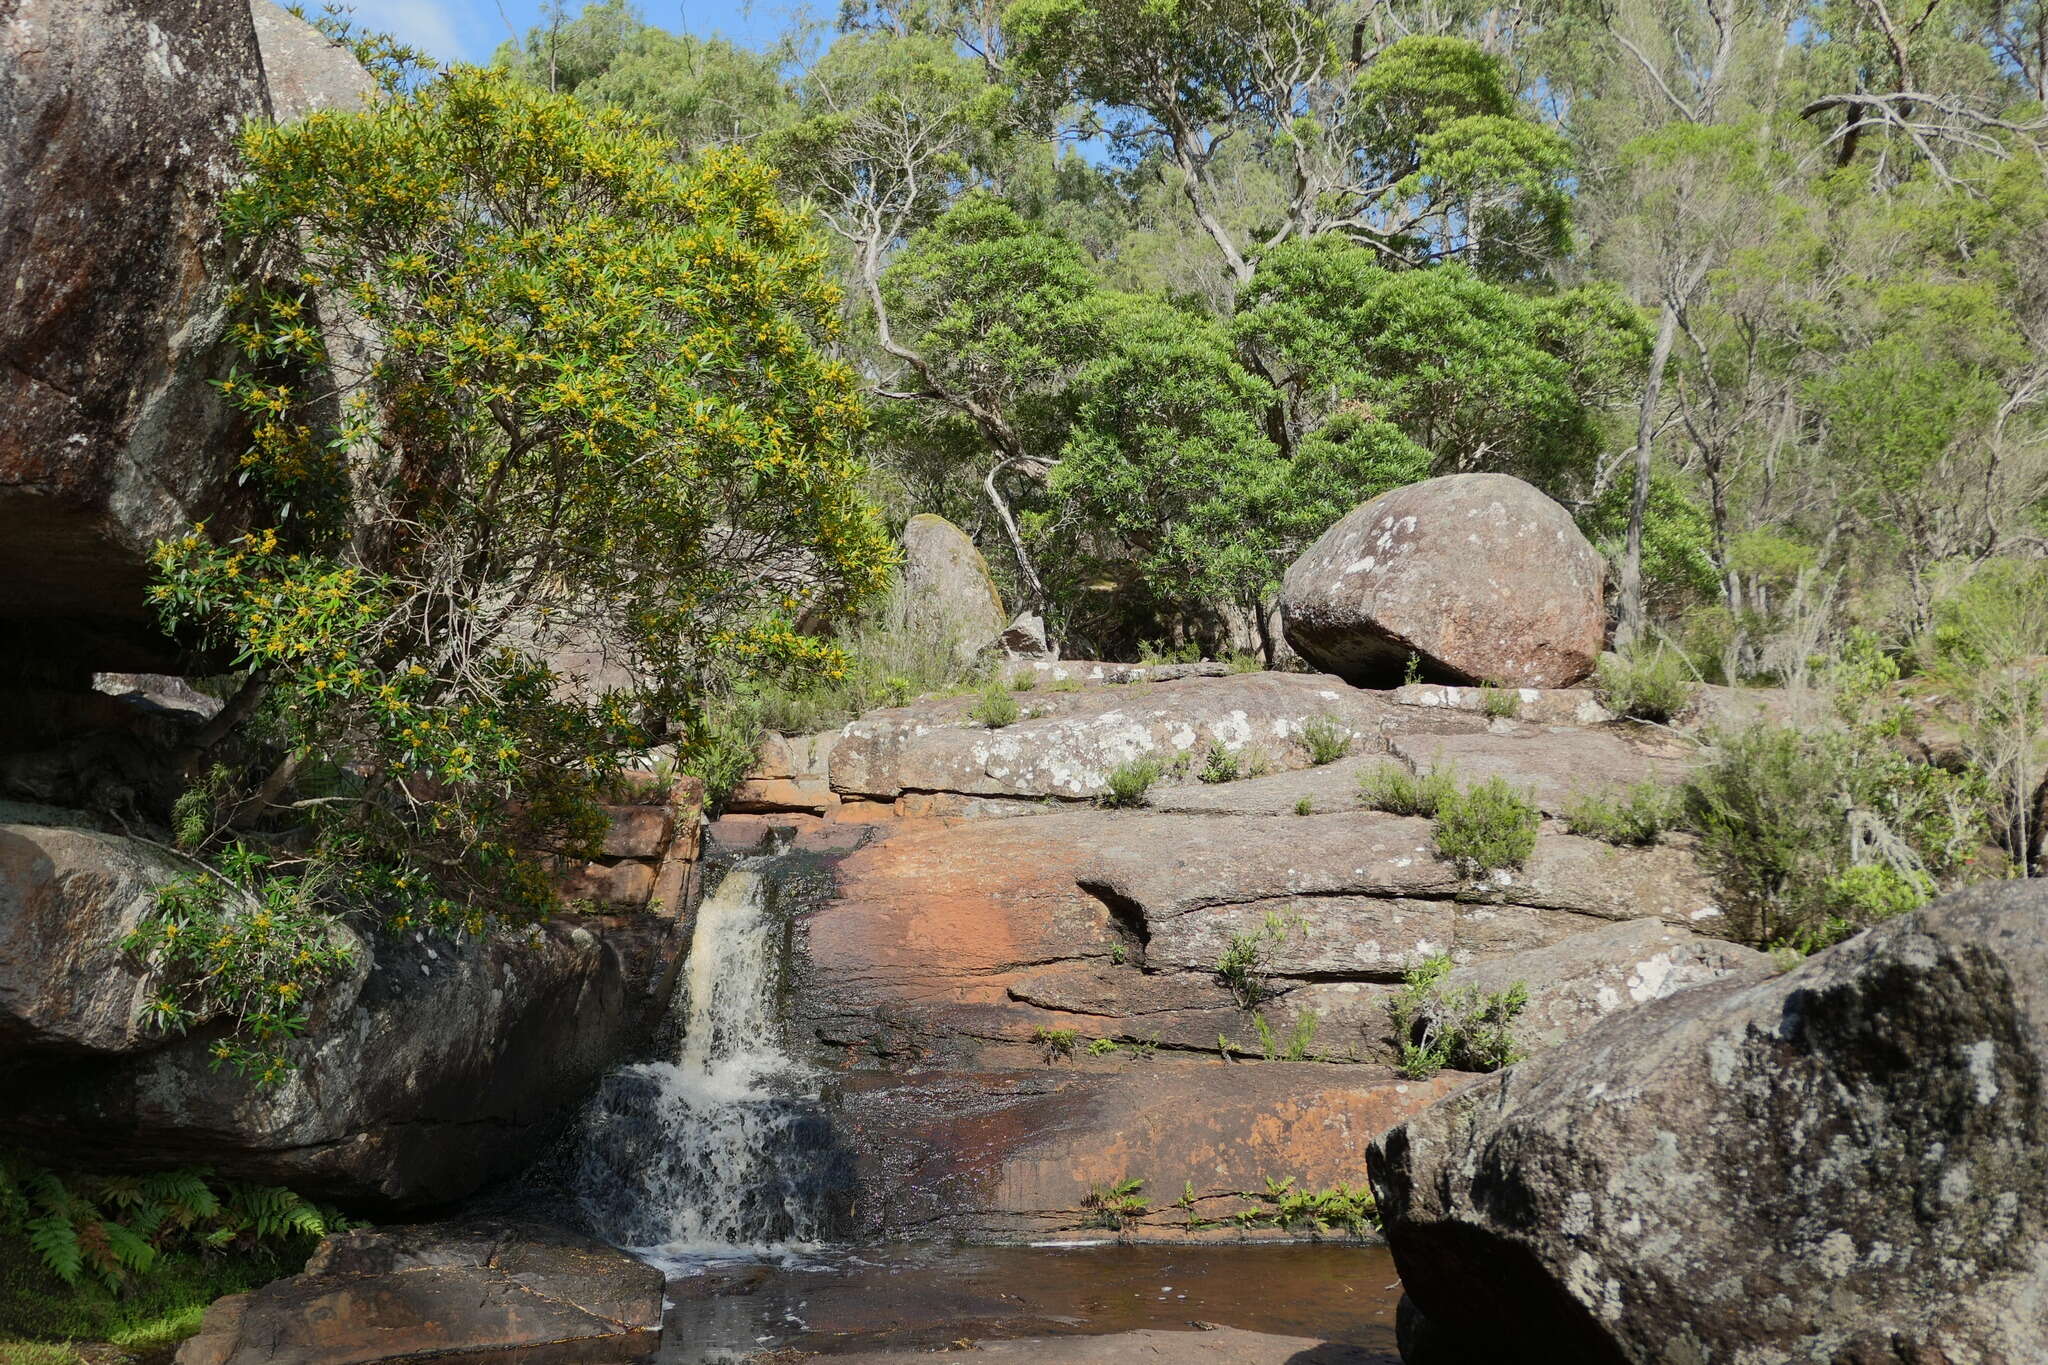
(715, 1153)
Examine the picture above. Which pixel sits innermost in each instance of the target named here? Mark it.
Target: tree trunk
(1630, 627)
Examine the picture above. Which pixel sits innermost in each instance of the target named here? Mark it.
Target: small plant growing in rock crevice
(1056, 1043)
(1461, 1027)
(1327, 739)
(1221, 766)
(1300, 1038)
(997, 707)
(1486, 827)
(1130, 782)
(1241, 966)
(1117, 1206)
(1645, 684)
(1344, 1207)
(1305, 806)
(1392, 788)
(1499, 703)
(1637, 816)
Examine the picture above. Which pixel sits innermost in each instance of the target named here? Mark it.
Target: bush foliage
(602, 418)
(1462, 1028)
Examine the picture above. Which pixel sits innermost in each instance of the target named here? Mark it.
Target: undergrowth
(1651, 683)
(1637, 815)
(1459, 1027)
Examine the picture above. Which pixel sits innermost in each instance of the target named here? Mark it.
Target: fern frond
(55, 1240)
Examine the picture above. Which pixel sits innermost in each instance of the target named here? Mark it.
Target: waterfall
(725, 1150)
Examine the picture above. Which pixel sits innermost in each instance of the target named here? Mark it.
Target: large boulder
(947, 591)
(1480, 576)
(304, 70)
(440, 1065)
(1848, 1162)
(505, 1292)
(68, 897)
(118, 121)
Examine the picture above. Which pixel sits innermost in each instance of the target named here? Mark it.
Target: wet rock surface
(1848, 1162)
(1209, 1345)
(521, 1294)
(1020, 1154)
(1480, 576)
(1336, 1300)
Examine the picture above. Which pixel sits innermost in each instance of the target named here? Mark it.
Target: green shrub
(719, 747)
(1500, 703)
(1240, 966)
(1637, 815)
(1461, 1028)
(1129, 782)
(996, 708)
(234, 945)
(1645, 684)
(1116, 1206)
(1327, 739)
(1103, 1047)
(1300, 1039)
(1056, 1043)
(1305, 806)
(1392, 788)
(1244, 661)
(1221, 766)
(1811, 835)
(1486, 827)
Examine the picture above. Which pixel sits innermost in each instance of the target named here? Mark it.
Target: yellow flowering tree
(529, 388)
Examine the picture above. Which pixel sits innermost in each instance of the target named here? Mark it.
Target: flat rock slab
(509, 1293)
(957, 941)
(1067, 743)
(1017, 1153)
(1575, 983)
(1552, 764)
(1215, 1346)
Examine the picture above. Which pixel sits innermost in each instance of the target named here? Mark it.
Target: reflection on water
(911, 1296)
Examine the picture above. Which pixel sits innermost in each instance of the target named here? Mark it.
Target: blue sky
(469, 30)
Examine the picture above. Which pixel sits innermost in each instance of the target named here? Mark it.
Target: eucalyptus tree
(1413, 146)
(697, 92)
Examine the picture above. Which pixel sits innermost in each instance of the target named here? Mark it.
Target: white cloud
(430, 25)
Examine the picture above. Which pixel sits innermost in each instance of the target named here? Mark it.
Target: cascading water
(726, 1150)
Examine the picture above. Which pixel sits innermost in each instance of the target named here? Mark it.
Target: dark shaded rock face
(1481, 575)
(501, 1292)
(117, 128)
(1845, 1163)
(444, 1066)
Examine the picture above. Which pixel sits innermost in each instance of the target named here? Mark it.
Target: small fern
(117, 1227)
